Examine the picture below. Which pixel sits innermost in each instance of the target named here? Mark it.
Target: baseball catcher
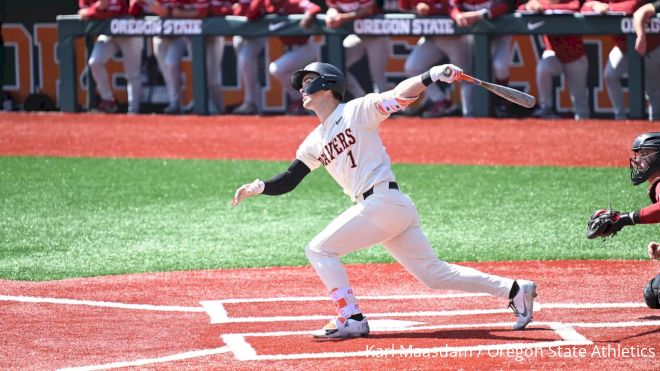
(644, 166)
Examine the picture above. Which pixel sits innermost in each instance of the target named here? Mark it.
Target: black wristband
(635, 216)
(426, 78)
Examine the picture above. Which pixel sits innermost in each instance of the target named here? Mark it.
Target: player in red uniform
(430, 49)
(169, 50)
(563, 55)
(648, 46)
(468, 12)
(342, 11)
(302, 50)
(106, 47)
(617, 64)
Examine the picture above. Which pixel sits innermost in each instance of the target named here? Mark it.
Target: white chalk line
(243, 351)
(149, 361)
(219, 315)
(106, 304)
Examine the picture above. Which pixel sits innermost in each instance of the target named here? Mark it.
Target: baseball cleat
(523, 304)
(343, 328)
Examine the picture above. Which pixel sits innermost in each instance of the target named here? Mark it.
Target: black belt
(370, 191)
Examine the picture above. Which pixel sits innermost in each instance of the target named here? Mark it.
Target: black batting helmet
(652, 293)
(330, 78)
(642, 167)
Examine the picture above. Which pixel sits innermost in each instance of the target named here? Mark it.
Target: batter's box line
(218, 313)
(243, 351)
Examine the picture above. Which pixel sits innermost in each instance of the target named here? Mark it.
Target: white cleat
(523, 304)
(342, 328)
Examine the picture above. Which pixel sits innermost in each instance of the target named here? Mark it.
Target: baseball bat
(510, 94)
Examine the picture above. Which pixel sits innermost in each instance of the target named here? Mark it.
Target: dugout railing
(71, 27)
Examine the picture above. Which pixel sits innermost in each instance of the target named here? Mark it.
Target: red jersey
(495, 7)
(258, 8)
(347, 6)
(567, 48)
(201, 6)
(437, 7)
(221, 8)
(651, 214)
(115, 8)
(626, 6)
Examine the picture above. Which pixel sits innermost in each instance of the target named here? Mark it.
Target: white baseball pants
(617, 67)
(169, 51)
(390, 218)
(356, 47)
(131, 49)
(575, 77)
(247, 52)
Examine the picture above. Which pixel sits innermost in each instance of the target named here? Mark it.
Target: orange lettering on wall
(273, 92)
(48, 68)
(18, 38)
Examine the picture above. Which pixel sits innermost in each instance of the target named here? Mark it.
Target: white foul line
(107, 304)
(148, 361)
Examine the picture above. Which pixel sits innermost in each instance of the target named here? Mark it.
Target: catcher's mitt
(605, 223)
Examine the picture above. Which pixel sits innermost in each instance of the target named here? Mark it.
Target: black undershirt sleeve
(656, 5)
(286, 181)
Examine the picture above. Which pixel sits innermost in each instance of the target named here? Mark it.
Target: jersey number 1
(352, 159)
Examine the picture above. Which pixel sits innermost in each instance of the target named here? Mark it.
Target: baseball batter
(106, 47)
(347, 143)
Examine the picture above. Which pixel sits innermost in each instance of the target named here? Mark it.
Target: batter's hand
(248, 190)
(446, 73)
(654, 250)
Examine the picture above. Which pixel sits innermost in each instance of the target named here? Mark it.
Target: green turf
(86, 217)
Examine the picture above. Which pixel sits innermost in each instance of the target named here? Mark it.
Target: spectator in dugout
(468, 12)
(430, 49)
(301, 50)
(169, 50)
(617, 63)
(106, 47)
(375, 47)
(648, 46)
(247, 51)
(562, 55)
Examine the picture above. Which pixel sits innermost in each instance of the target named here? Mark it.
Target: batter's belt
(379, 187)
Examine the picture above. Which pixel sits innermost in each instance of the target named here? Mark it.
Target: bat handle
(448, 71)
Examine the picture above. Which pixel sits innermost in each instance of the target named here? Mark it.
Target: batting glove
(654, 250)
(248, 190)
(446, 73)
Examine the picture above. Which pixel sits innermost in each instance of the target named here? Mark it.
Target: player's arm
(275, 186)
(640, 17)
(409, 89)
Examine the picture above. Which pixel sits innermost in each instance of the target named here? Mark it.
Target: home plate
(391, 324)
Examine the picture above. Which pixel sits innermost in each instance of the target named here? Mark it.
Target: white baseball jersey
(349, 147)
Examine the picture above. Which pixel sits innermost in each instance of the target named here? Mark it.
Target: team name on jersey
(336, 146)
